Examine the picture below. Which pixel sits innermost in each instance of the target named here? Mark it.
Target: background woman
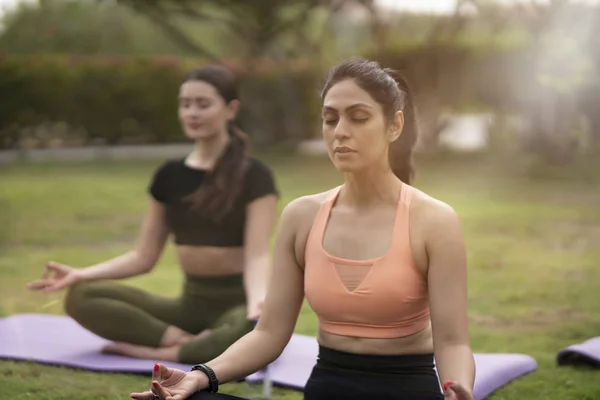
(219, 203)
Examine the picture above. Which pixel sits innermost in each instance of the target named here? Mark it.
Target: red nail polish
(156, 367)
(155, 384)
(445, 387)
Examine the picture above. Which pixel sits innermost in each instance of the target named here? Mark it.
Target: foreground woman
(381, 263)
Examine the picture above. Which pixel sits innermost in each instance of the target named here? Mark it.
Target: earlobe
(394, 134)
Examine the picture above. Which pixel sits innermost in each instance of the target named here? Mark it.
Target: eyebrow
(194, 98)
(352, 107)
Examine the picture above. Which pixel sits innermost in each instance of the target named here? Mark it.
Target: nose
(191, 111)
(341, 131)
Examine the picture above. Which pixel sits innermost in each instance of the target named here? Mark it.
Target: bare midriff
(417, 343)
(210, 261)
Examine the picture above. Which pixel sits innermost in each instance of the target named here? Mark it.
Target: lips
(344, 150)
(194, 125)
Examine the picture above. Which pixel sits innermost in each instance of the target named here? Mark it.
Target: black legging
(122, 313)
(340, 375)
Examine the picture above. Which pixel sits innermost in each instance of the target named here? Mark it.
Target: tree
(273, 30)
(255, 25)
(78, 27)
(590, 97)
(563, 73)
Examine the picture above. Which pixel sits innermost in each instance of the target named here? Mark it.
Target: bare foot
(172, 336)
(135, 351)
(118, 348)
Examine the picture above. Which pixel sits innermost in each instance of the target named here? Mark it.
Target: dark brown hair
(392, 92)
(222, 184)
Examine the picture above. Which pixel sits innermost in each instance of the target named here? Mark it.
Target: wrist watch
(213, 382)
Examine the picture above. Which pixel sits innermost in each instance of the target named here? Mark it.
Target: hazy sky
(437, 6)
(441, 6)
(8, 3)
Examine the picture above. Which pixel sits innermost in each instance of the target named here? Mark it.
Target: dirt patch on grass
(561, 315)
(577, 276)
(537, 318)
(574, 235)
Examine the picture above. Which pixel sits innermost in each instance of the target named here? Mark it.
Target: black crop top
(174, 180)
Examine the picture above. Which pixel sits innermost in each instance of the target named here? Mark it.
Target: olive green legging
(122, 313)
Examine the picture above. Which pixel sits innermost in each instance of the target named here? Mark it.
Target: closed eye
(334, 121)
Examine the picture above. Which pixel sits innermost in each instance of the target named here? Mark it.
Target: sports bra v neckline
(328, 206)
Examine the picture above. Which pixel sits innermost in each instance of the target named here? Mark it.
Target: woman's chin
(199, 135)
(345, 166)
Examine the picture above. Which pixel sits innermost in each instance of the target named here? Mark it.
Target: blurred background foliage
(77, 72)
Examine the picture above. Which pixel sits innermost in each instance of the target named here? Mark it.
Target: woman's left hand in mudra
(456, 391)
(170, 384)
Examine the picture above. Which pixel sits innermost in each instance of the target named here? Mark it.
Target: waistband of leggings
(220, 285)
(389, 364)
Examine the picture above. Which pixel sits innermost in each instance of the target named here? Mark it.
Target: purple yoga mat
(58, 340)
(586, 353)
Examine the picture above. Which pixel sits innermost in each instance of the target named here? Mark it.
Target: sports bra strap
(333, 193)
(406, 194)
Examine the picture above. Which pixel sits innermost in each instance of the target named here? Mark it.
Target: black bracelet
(213, 382)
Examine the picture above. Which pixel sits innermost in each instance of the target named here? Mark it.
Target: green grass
(532, 244)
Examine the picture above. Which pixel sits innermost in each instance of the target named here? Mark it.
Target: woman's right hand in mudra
(172, 384)
(56, 277)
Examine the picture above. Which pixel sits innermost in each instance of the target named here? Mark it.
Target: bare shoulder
(433, 214)
(302, 208)
(297, 219)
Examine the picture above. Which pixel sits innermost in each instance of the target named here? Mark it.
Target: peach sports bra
(390, 298)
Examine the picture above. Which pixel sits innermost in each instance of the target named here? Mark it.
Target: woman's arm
(153, 236)
(265, 343)
(260, 223)
(447, 279)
